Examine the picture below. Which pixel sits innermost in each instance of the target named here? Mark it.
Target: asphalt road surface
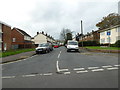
(62, 69)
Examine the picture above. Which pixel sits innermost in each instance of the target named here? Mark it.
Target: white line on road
(93, 67)
(28, 75)
(8, 77)
(95, 70)
(57, 66)
(58, 55)
(60, 52)
(63, 70)
(76, 69)
(116, 65)
(112, 68)
(48, 74)
(82, 71)
(107, 66)
(66, 73)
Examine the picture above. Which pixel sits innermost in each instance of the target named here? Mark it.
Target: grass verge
(14, 52)
(102, 48)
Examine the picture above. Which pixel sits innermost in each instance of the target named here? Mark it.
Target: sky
(51, 16)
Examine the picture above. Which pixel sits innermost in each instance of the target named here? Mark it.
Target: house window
(0, 27)
(14, 39)
(118, 29)
(117, 38)
(102, 33)
(108, 39)
(103, 40)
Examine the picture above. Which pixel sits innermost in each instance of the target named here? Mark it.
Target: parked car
(56, 46)
(50, 46)
(43, 48)
(72, 46)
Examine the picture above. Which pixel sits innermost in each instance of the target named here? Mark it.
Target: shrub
(117, 43)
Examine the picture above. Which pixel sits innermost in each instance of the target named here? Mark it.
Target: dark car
(43, 48)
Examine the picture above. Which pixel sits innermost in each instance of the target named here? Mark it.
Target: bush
(89, 43)
(117, 44)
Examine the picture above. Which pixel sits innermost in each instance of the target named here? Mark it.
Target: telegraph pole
(82, 32)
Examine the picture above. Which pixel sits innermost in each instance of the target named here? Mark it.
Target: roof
(22, 32)
(4, 23)
(109, 28)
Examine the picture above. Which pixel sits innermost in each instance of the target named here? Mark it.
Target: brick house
(92, 36)
(20, 39)
(5, 36)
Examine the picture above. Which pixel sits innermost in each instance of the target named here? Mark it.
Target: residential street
(62, 69)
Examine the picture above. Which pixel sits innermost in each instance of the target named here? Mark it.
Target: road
(61, 69)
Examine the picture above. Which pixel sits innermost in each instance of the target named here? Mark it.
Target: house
(20, 39)
(110, 35)
(5, 36)
(92, 36)
(42, 38)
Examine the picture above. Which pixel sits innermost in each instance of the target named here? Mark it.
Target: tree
(63, 33)
(111, 20)
(69, 36)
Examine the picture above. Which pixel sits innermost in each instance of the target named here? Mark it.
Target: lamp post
(82, 32)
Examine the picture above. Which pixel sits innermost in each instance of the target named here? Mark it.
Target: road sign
(108, 33)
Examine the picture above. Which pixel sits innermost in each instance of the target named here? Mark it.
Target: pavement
(62, 69)
(17, 57)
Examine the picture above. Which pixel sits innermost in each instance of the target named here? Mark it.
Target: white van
(72, 46)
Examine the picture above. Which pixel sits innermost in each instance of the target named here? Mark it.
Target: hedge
(89, 43)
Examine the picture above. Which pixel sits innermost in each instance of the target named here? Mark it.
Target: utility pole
(82, 33)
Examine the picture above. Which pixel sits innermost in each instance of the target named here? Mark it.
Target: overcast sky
(52, 16)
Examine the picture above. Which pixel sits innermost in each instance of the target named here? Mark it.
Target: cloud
(53, 15)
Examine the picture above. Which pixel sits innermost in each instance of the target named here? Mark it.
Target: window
(118, 29)
(103, 40)
(102, 33)
(108, 39)
(117, 38)
(0, 27)
(14, 39)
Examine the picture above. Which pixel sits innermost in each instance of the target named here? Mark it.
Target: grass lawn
(13, 52)
(103, 48)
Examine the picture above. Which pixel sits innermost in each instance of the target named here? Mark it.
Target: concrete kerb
(17, 59)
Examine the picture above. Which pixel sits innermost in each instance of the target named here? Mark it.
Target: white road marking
(66, 72)
(76, 69)
(93, 67)
(58, 55)
(95, 70)
(63, 70)
(28, 75)
(81, 71)
(112, 68)
(57, 66)
(116, 65)
(48, 74)
(107, 66)
(60, 52)
(8, 77)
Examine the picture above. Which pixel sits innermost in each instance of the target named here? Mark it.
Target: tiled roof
(23, 32)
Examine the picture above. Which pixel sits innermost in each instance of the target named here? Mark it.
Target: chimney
(37, 33)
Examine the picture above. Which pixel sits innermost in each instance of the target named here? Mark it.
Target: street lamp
(82, 33)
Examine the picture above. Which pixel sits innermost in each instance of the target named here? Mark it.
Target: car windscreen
(72, 43)
(43, 45)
